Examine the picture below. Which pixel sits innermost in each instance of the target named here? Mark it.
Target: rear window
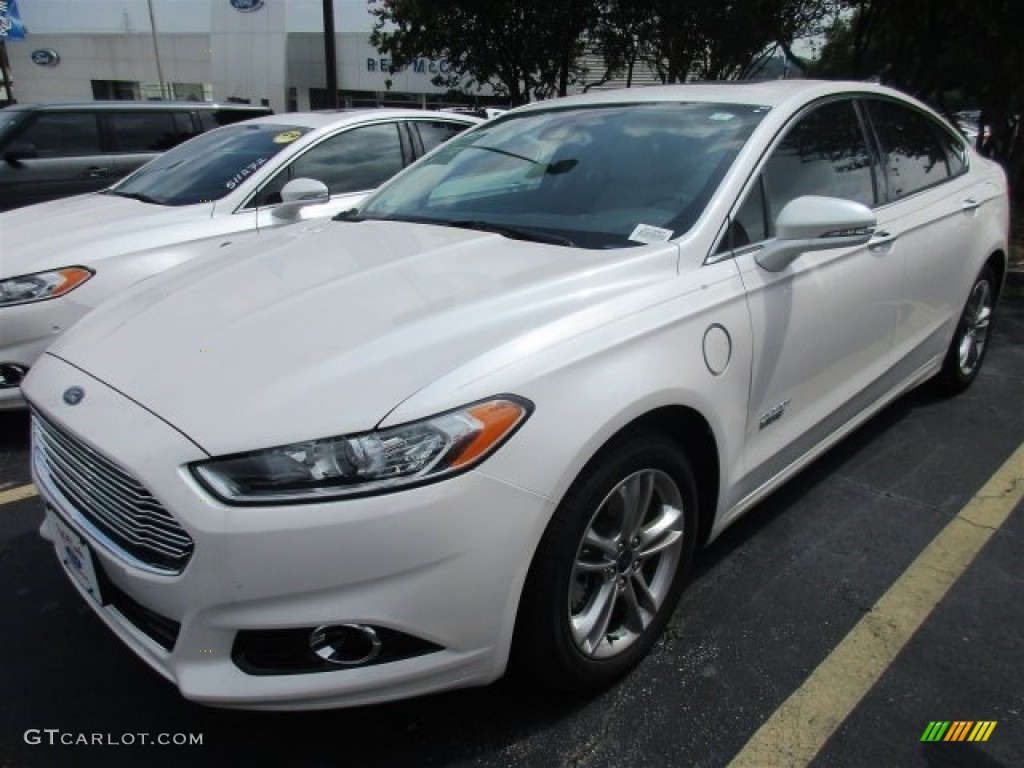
(209, 166)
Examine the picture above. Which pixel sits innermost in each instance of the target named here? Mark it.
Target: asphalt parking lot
(818, 630)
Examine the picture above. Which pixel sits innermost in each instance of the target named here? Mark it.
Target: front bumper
(443, 563)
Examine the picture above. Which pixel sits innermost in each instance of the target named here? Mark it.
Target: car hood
(329, 327)
(86, 229)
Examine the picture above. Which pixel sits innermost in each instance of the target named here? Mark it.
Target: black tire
(970, 339)
(637, 583)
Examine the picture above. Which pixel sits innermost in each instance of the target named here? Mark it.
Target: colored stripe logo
(958, 730)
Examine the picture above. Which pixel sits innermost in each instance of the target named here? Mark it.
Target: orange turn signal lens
(497, 418)
(72, 278)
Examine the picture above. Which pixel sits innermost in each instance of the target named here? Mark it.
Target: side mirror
(20, 151)
(813, 223)
(298, 194)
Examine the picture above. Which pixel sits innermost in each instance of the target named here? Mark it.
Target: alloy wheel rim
(977, 316)
(626, 563)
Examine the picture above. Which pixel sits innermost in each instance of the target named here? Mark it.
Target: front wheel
(970, 340)
(610, 567)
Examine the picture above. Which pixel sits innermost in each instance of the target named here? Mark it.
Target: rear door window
(146, 131)
(914, 157)
(434, 133)
(956, 152)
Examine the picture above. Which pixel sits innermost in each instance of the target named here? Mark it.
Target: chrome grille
(117, 506)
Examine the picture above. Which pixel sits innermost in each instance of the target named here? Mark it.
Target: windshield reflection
(587, 176)
(209, 166)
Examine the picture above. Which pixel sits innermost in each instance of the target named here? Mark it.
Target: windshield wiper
(515, 233)
(512, 232)
(140, 196)
(505, 152)
(353, 214)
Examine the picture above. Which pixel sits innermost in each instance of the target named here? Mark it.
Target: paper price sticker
(645, 233)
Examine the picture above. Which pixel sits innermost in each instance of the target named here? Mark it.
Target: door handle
(881, 240)
(970, 205)
(96, 172)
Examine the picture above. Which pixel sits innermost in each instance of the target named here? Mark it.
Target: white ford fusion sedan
(494, 413)
(60, 259)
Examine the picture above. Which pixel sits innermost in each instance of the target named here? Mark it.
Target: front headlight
(41, 285)
(373, 462)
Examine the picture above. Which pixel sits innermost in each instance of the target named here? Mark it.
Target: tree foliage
(526, 49)
(521, 48)
(714, 40)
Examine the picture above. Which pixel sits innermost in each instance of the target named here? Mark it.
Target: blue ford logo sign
(246, 5)
(45, 57)
(74, 395)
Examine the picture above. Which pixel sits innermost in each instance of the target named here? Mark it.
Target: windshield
(594, 177)
(209, 166)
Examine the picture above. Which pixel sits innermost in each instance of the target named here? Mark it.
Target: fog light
(334, 648)
(346, 644)
(12, 374)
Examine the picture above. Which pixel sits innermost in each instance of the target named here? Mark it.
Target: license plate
(75, 555)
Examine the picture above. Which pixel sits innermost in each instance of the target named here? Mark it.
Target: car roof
(768, 93)
(330, 118)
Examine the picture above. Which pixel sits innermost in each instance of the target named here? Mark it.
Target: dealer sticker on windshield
(645, 233)
(287, 137)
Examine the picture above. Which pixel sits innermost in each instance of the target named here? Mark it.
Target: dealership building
(251, 51)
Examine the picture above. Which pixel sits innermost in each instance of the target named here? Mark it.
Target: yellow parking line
(798, 729)
(17, 494)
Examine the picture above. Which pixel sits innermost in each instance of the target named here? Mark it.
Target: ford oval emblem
(74, 395)
(45, 57)
(246, 5)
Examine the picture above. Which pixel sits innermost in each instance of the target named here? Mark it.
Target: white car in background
(495, 411)
(60, 259)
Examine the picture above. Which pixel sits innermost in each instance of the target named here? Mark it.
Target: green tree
(704, 39)
(527, 49)
(522, 49)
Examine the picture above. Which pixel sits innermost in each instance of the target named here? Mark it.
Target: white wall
(180, 16)
(253, 56)
(248, 58)
(115, 16)
(104, 57)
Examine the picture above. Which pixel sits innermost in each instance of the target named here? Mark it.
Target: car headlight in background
(41, 285)
(371, 462)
